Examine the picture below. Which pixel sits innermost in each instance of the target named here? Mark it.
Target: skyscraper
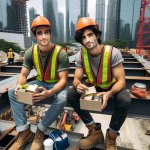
(100, 15)
(13, 16)
(84, 4)
(129, 11)
(32, 14)
(110, 20)
(61, 26)
(50, 8)
(73, 9)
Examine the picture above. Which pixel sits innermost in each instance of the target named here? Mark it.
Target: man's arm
(22, 79)
(78, 76)
(77, 82)
(119, 74)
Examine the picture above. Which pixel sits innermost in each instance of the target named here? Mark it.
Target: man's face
(89, 39)
(43, 36)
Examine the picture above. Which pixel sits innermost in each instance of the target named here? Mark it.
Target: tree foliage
(5, 45)
(118, 43)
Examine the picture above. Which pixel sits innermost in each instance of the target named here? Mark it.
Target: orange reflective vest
(10, 55)
(104, 77)
(50, 75)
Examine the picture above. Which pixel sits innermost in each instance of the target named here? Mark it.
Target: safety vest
(104, 77)
(10, 55)
(50, 75)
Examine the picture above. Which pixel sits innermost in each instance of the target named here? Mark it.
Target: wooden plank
(129, 62)
(132, 133)
(12, 66)
(137, 78)
(7, 73)
(6, 127)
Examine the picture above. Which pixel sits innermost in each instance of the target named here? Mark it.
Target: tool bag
(60, 139)
(139, 90)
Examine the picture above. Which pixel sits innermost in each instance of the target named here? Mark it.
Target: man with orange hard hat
(51, 64)
(102, 65)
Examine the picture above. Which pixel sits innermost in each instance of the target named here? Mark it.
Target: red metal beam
(143, 27)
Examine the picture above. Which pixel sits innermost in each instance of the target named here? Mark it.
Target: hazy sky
(38, 5)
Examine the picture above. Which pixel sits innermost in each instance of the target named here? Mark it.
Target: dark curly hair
(97, 32)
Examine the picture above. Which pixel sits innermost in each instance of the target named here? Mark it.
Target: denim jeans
(122, 102)
(57, 101)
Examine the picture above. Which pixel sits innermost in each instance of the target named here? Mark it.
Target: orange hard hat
(40, 21)
(84, 22)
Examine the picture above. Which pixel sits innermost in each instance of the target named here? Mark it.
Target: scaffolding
(21, 16)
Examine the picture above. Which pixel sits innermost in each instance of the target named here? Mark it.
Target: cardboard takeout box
(89, 100)
(87, 103)
(25, 95)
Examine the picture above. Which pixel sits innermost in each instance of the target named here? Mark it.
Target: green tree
(118, 43)
(5, 45)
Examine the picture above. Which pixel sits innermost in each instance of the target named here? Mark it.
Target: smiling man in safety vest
(52, 64)
(103, 67)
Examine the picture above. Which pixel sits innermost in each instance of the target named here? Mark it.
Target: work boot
(94, 136)
(22, 139)
(38, 140)
(110, 141)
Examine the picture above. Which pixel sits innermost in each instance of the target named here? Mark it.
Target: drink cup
(48, 144)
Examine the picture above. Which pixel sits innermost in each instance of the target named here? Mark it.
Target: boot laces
(113, 142)
(38, 135)
(20, 136)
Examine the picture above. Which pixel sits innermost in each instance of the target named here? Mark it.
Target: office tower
(110, 20)
(32, 14)
(61, 26)
(100, 15)
(128, 16)
(13, 16)
(73, 9)
(84, 4)
(50, 8)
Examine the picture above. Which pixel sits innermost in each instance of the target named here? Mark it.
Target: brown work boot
(22, 139)
(94, 137)
(38, 140)
(110, 141)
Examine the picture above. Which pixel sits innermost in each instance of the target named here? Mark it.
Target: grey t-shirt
(116, 58)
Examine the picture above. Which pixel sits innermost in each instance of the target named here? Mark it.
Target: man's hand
(43, 94)
(81, 88)
(17, 88)
(105, 97)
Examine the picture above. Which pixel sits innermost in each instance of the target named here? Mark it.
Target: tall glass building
(13, 16)
(73, 10)
(50, 8)
(106, 18)
(128, 16)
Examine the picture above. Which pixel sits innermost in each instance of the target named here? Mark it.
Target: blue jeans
(122, 102)
(57, 101)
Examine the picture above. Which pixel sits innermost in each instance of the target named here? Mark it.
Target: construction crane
(143, 38)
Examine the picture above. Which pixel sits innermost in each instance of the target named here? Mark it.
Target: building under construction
(13, 16)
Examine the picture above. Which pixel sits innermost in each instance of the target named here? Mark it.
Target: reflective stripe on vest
(50, 75)
(104, 77)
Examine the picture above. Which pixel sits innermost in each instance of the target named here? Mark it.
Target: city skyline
(38, 5)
